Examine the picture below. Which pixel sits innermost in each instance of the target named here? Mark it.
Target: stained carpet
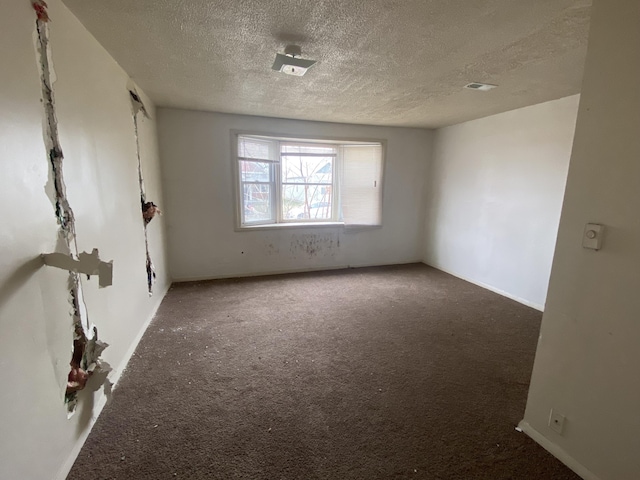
(377, 373)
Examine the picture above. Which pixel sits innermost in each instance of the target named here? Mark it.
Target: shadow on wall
(19, 278)
(86, 398)
(433, 212)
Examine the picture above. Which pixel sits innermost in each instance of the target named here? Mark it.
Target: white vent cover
(480, 86)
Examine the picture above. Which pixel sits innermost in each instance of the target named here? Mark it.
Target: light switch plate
(592, 236)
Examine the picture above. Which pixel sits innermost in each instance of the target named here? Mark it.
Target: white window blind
(361, 189)
(252, 148)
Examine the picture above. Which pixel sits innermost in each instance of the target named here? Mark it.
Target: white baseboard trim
(523, 301)
(101, 399)
(287, 271)
(557, 452)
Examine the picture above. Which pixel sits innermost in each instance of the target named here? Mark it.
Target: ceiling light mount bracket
(292, 51)
(482, 87)
(290, 64)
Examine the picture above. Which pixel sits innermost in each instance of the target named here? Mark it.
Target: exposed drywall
(199, 204)
(85, 361)
(495, 188)
(148, 208)
(588, 354)
(95, 129)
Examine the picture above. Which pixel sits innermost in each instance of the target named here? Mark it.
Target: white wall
(495, 190)
(197, 170)
(96, 132)
(587, 364)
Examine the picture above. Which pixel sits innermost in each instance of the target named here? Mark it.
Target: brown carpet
(377, 373)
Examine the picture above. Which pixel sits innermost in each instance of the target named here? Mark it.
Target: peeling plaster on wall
(315, 245)
(85, 359)
(149, 209)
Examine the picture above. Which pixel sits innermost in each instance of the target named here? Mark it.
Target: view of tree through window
(307, 181)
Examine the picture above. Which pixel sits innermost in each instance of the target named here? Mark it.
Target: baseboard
(287, 271)
(523, 301)
(101, 399)
(557, 452)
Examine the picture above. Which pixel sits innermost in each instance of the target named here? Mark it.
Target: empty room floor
(374, 373)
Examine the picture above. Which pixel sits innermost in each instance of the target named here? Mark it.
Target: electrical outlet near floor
(556, 421)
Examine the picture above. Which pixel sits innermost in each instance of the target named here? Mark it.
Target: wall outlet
(556, 421)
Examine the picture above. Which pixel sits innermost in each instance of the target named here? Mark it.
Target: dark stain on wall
(315, 245)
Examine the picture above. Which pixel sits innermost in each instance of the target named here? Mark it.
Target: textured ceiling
(380, 62)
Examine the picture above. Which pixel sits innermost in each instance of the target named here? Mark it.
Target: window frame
(278, 222)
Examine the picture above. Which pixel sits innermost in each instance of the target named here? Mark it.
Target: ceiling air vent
(480, 86)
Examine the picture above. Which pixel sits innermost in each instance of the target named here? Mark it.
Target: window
(303, 181)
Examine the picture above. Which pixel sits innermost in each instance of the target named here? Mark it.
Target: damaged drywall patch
(87, 263)
(149, 209)
(87, 349)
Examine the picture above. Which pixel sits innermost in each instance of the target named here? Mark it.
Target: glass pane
(297, 169)
(256, 202)
(256, 148)
(312, 202)
(255, 171)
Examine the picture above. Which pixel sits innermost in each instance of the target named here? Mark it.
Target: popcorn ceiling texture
(380, 62)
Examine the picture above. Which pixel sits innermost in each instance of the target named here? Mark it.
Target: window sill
(285, 226)
(278, 226)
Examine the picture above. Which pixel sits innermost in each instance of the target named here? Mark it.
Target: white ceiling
(380, 62)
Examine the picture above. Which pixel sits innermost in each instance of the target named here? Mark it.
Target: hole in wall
(149, 209)
(86, 348)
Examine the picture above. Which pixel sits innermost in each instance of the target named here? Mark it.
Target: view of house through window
(308, 181)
